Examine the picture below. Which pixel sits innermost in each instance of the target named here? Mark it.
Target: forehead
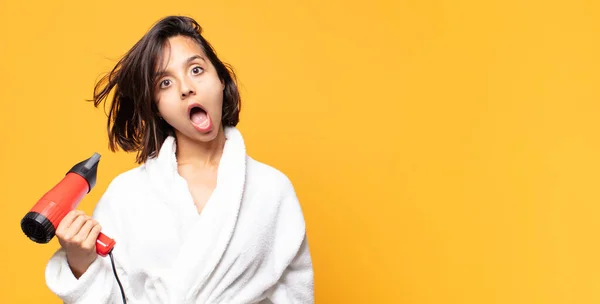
(177, 50)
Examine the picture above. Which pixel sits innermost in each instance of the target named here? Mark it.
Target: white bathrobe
(248, 245)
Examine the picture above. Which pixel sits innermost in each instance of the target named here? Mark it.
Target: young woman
(198, 221)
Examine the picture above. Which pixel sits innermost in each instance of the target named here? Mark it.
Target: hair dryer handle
(104, 244)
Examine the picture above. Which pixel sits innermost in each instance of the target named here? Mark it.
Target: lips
(199, 118)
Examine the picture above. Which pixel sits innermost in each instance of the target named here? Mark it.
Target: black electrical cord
(112, 261)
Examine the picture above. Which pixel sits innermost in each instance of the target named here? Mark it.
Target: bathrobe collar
(206, 234)
(232, 161)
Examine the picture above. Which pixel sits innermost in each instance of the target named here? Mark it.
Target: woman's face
(188, 91)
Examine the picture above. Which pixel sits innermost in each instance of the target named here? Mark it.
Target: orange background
(443, 151)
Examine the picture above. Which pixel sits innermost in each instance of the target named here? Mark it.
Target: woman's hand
(77, 234)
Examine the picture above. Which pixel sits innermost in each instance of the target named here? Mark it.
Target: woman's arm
(98, 283)
(296, 284)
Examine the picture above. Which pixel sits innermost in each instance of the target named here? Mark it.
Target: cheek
(218, 104)
(212, 95)
(167, 105)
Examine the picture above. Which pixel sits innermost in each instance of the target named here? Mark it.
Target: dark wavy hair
(133, 121)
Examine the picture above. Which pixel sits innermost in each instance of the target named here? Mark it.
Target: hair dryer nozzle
(88, 170)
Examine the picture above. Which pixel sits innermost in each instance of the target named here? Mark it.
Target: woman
(198, 221)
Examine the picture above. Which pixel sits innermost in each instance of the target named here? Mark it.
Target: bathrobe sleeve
(296, 284)
(98, 284)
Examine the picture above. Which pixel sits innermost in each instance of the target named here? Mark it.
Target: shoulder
(264, 177)
(273, 190)
(120, 192)
(273, 198)
(126, 180)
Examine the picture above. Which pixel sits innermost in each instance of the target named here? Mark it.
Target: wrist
(79, 265)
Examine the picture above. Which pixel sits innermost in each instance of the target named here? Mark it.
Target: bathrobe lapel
(208, 233)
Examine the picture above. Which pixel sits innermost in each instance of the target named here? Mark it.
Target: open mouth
(199, 118)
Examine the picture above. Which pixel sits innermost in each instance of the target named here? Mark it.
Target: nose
(186, 89)
(186, 93)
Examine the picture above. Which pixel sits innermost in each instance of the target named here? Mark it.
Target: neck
(197, 153)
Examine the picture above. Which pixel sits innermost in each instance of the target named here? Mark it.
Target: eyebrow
(192, 58)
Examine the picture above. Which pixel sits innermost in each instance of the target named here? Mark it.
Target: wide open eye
(165, 83)
(197, 70)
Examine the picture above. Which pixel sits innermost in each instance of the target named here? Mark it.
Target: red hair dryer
(40, 223)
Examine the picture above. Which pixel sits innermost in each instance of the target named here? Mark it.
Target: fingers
(85, 229)
(75, 227)
(67, 221)
(90, 241)
(78, 233)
